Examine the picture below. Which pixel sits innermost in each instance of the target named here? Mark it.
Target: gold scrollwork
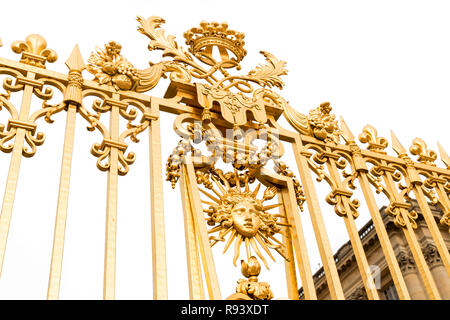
(339, 197)
(43, 89)
(103, 151)
(394, 210)
(128, 110)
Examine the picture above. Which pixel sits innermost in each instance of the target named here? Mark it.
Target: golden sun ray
(247, 188)
(255, 192)
(255, 247)
(225, 181)
(276, 240)
(224, 232)
(208, 203)
(237, 246)
(271, 206)
(238, 183)
(220, 236)
(216, 193)
(209, 195)
(264, 246)
(284, 224)
(219, 185)
(283, 254)
(216, 228)
(268, 242)
(227, 184)
(278, 248)
(247, 248)
(230, 240)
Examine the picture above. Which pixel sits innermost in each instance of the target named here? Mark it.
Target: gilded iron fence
(219, 165)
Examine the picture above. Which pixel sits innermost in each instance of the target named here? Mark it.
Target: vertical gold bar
(383, 237)
(195, 279)
(209, 268)
(298, 240)
(413, 244)
(355, 240)
(61, 211)
(425, 273)
(157, 214)
(360, 256)
(109, 281)
(432, 226)
(289, 266)
(318, 224)
(13, 173)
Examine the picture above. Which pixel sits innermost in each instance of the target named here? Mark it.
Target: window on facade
(390, 293)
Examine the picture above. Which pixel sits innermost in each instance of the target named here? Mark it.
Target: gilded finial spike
(397, 146)
(444, 156)
(75, 60)
(346, 133)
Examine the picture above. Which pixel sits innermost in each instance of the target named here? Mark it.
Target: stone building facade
(349, 274)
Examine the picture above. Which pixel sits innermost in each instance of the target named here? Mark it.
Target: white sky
(384, 63)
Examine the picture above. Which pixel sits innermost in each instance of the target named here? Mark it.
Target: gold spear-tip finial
(444, 156)
(75, 61)
(397, 146)
(346, 133)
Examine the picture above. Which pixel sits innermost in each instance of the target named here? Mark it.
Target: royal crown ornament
(201, 42)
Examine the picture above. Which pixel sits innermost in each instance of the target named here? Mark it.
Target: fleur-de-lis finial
(34, 50)
(370, 136)
(419, 148)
